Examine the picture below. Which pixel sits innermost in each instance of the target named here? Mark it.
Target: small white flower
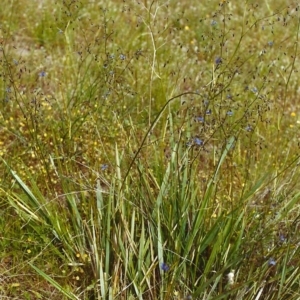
(230, 277)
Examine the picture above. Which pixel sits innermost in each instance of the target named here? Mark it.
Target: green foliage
(149, 150)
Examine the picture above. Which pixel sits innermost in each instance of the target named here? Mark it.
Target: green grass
(149, 149)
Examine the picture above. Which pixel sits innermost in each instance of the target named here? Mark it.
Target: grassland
(149, 150)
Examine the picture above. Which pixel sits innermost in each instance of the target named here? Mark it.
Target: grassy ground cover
(149, 150)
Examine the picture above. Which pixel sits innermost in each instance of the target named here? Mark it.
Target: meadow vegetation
(149, 149)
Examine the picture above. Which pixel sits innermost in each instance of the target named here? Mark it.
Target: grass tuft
(149, 150)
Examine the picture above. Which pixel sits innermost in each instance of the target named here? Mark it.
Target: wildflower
(200, 119)
(198, 141)
(186, 27)
(213, 23)
(165, 267)
(122, 56)
(254, 90)
(42, 74)
(271, 262)
(293, 114)
(229, 113)
(248, 128)
(208, 112)
(218, 60)
(230, 277)
(270, 43)
(104, 167)
(282, 238)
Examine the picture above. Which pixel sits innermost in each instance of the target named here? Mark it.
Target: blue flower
(270, 43)
(165, 267)
(254, 90)
(271, 262)
(198, 141)
(200, 119)
(248, 128)
(218, 60)
(42, 74)
(282, 238)
(213, 23)
(104, 167)
(229, 113)
(122, 56)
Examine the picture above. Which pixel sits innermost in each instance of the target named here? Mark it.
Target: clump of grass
(149, 151)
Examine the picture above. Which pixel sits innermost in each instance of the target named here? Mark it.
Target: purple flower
(248, 128)
(254, 90)
(198, 141)
(282, 238)
(271, 262)
(200, 119)
(42, 74)
(104, 167)
(165, 267)
(213, 23)
(218, 60)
